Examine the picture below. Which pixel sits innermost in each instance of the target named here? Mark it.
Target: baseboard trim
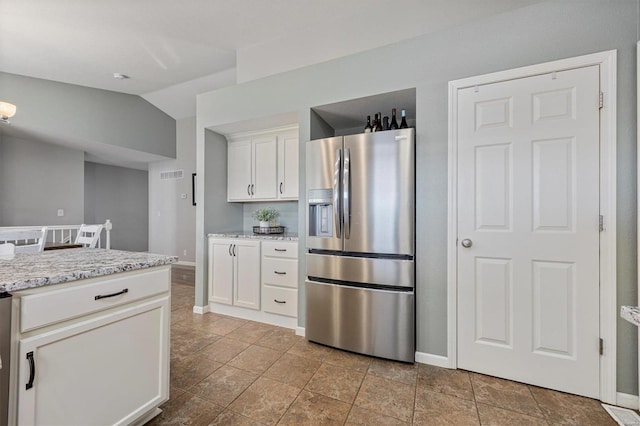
(300, 331)
(627, 400)
(250, 314)
(201, 309)
(185, 263)
(431, 359)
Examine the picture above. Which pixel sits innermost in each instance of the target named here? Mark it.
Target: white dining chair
(34, 239)
(88, 235)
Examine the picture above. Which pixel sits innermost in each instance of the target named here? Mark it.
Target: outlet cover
(60, 212)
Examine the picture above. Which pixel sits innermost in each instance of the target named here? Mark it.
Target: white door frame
(608, 308)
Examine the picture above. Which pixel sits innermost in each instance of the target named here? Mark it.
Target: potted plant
(266, 216)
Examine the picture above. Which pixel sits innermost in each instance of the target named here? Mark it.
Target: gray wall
(37, 179)
(172, 219)
(67, 111)
(539, 33)
(121, 195)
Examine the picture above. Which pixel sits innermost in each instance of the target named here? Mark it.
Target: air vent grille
(173, 174)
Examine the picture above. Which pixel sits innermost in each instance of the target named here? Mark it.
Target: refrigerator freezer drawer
(390, 272)
(366, 321)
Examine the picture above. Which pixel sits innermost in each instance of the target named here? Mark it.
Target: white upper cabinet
(288, 166)
(239, 156)
(263, 166)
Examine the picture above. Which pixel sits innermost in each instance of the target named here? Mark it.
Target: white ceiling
(173, 50)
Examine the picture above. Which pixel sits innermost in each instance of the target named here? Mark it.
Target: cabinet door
(265, 168)
(288, 166)
(247, 284)
(239, 171)
(221, 271)
(110, 369)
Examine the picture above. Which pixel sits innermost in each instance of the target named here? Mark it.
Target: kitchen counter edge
(33, 270)
(252, 236)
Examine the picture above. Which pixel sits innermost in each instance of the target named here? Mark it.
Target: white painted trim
(300, 331)
(627, 401)
(638, 177)
(185, 263)
(431, 359)
(200, 309)
(608, 308)
(250, 314)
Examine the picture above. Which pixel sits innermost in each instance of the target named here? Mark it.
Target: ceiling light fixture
(7, 111)
(120, 76)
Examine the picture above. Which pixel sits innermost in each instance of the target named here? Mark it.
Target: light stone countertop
(30, 270)
(287, 236)
(631, 314)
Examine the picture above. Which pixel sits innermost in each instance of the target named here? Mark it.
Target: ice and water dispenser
(321, 212)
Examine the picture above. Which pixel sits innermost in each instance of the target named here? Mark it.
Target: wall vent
(173, 174)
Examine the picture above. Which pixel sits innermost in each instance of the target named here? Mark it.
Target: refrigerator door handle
(346, 194)
(336, 192)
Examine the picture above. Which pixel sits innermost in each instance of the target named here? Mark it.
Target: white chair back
(7, 248)
(88, 235)
(38, 236)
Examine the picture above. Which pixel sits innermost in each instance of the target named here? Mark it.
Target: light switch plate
(60, 212)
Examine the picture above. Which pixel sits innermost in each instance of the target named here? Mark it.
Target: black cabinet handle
(280, 249)
(32, 369)
(252, 190)
(279, 301)
(230, 249)
(234, 249)
(281, 187)
(279, 273)
(104, 296)
(248, 192)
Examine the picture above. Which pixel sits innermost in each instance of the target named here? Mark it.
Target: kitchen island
(89, 336)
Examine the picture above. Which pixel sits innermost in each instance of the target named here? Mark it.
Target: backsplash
(288, 215)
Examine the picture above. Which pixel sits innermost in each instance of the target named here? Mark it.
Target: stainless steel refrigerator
(360, 192)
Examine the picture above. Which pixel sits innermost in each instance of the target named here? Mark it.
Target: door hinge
(601, 100)
(601, 347)
(601, 222)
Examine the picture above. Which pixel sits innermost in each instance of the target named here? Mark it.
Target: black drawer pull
(104, 296)
(280, 249)
(279, 301)
(279, 273)
(32, 370)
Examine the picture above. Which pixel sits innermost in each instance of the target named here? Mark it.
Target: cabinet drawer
(282, 301)
(280, 249)
(282, 272)
(50, 307)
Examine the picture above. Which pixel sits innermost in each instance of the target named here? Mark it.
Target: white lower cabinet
(109, 367)
(234, 278)
(258, 274)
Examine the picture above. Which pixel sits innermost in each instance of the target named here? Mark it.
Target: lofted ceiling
(173, 50)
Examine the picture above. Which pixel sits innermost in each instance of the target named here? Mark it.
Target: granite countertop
(631, 314)
(287, 236)
(29, 270)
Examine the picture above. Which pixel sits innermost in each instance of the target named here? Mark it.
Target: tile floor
(228, 371)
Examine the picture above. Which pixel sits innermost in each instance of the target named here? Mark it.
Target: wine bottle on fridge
(394, 122)
(385, 123)
(403, 123)
(379, 122)
(368, 128)
(374, 123)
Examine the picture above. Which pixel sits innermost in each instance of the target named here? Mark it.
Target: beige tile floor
(228, 371)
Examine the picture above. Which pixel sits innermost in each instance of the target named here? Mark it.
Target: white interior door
(528, 203)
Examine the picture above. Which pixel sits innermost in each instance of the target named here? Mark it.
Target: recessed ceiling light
(120, 76)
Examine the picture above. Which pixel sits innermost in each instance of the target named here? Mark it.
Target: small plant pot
(264, 224)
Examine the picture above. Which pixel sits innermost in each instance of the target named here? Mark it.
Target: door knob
(466, 243)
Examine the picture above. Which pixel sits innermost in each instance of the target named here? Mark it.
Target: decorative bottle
(403, 123)
(368, 128)
(379, 122)
(394, 123)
